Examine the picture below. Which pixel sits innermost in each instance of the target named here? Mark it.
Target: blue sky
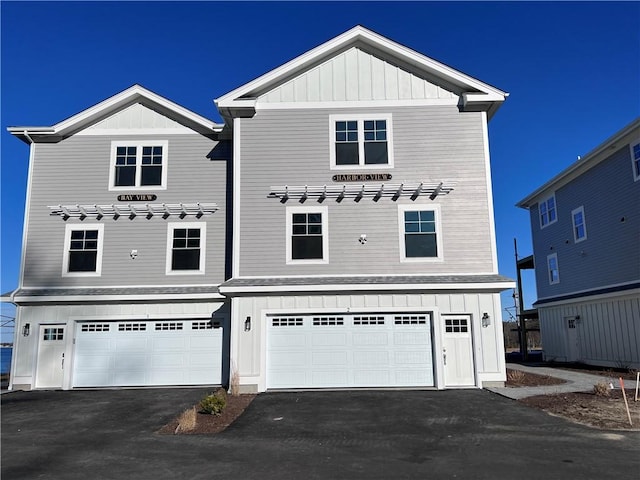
(572, 70)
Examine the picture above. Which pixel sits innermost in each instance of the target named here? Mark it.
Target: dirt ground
(607, 412)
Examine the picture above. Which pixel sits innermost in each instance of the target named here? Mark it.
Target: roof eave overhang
(130, 96)
(482, 96)
(494, 287)
(591, 159)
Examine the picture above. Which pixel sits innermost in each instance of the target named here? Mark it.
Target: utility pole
(522, 327)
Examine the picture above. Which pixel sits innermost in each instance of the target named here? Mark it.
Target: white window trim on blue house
(634, 148)
(546, 211)
(553, 270)
(576, 225)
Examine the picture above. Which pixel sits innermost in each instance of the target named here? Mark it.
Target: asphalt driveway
(470, 434)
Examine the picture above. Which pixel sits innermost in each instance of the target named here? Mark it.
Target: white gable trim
(480, 92)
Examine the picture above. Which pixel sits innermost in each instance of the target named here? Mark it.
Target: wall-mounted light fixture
(133, 254)
(486, 319)
(26, 329)
(247, 324)
(363, 238)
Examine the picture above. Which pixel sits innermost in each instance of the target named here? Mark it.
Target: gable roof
(120, 101)
(590, 160)
(475, 95)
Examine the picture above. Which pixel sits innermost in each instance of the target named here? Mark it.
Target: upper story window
(579, 225)
(548, 213)
(138, 165)
(420, 233)
(83, 250)
(307, 235)
(186, 248)
(635, 159)
(552, 269)
(361, 141)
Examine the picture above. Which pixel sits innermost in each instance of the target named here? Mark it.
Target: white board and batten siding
(304, 355)
(107, 345)
(598, 332)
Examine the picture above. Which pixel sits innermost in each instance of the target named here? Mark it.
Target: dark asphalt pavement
(466, 434)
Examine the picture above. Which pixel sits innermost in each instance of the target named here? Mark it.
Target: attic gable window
(362, 141)
(138, 165)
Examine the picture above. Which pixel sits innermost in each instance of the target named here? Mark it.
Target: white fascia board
(595, 156)
(370, 38)
(25, 300)
(113, 104)
(494, 286)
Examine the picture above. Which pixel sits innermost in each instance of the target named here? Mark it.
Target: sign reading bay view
(137, 197)
(361, 177)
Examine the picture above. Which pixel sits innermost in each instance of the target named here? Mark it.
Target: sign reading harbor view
(137, 197)
(361, 177)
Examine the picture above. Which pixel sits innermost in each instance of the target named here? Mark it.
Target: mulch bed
(210, 424)
(519, 378)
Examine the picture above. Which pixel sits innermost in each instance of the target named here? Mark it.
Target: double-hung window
(138, 165)
(552, 269)
(186, 248)
(83, 250)
(307, 235)
(548, 214)
(635, 159)
(420, 233)
(361, 141)
(579, 225)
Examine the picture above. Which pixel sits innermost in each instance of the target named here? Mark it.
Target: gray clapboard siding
(610, 254)
(76, 171)
(291, 147)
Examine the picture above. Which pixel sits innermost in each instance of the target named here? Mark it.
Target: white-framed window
(361, 141)
(420, 233)
(579, 225)
(138, 165)
(548, 213)
(635, 159)
(552, 269)
(307, 235)
(83, 250)
(186, 243)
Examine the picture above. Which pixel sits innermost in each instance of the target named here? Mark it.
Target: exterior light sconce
(486, 319)
(363, 238)
(247, 324)
(133, 254)
(26, 329)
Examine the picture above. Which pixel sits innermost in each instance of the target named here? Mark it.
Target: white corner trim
(237, 156)
(487, 166)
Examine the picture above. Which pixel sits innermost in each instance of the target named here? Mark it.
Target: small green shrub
(213, 404)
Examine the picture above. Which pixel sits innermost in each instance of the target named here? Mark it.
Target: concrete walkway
(576, 382)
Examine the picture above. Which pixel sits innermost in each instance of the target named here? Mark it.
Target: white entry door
(457, 351)
(50, 364)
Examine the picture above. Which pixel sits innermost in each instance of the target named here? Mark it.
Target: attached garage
(147, 353)
(350, 350)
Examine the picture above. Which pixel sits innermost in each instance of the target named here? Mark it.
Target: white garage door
(350, 350)
(146, 353)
